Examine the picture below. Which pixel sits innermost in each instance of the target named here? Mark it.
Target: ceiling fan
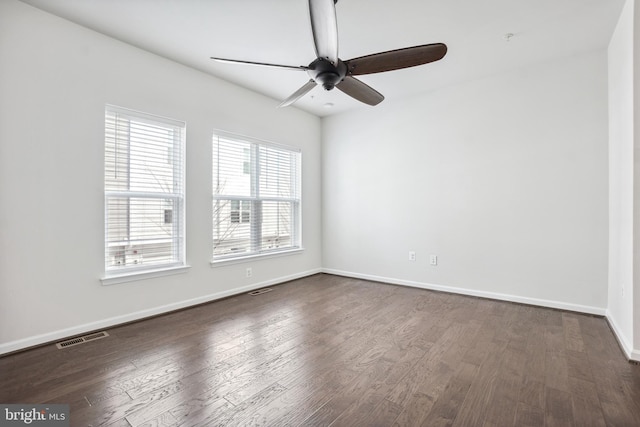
(329, 71)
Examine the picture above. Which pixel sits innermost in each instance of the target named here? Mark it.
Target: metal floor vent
(81, 340)
(260, 291)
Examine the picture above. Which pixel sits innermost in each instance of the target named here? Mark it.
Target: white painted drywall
(504, 179)
(55, 79)
(636, 179)
(621, 170)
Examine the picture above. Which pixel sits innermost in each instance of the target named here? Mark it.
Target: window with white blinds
(256, 197)
(144, 191)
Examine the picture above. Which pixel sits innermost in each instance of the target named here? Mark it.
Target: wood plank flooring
(328, 350)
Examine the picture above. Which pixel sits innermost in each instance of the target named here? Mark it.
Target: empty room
(319, 212)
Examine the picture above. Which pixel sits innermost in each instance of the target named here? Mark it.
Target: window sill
(114, 279)
(253, 257)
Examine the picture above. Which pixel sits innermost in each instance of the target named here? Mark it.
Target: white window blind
(144, 191)
(256, 197)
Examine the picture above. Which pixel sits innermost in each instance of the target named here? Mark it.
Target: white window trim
(132, 276)
(217, 261)
(234, 259)
(134, 273)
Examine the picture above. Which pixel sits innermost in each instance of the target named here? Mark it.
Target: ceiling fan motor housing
(327, 74)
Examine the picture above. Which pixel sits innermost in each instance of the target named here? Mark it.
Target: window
(144, 192)
(256, 197)
(240, 211)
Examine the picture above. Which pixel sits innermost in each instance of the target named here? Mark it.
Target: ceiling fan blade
(298, 94)
(396, 59)
(360, 91)
(324, 26)
(262, 64)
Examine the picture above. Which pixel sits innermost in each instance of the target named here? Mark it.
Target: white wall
(55, 79)
(636, 181)
(621, 180)
(504, 179)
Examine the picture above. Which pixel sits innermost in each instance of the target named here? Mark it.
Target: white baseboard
(625, 345)
(36, 340)
(58, 335)
(472, 292)
(631, 353)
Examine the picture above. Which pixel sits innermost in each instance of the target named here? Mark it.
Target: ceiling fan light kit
(329, 71)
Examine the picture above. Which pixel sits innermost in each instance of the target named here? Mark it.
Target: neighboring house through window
(144, 192)
(256, 197)
(240, 211)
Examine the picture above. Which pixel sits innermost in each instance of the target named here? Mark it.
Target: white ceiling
(278, 31)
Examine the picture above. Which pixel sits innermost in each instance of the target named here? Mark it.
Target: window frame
(256, 201)
(175, 196)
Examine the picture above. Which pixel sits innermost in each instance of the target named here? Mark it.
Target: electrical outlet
(433, 259)
(249, 272)
(412, 256)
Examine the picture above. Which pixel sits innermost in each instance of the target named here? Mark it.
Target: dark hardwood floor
(327, 350)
